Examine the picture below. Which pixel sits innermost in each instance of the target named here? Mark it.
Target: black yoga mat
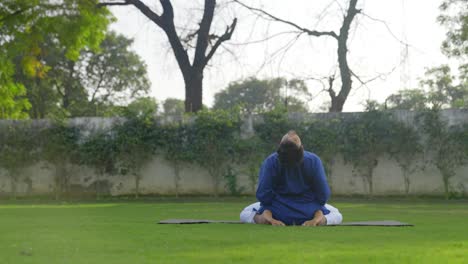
(363, 223)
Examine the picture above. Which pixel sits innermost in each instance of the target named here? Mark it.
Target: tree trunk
(345, 72)
(329, 173)
(68, 86)
(445, 178)
(192, 72)
(137, 186)
(369, 176)
(337, 104)
(176, 178)
(13, 187)
(194, 91)
(97, 186)
(253, 174)
(407, 181)
(57, 183)
(215, 176)
(66, 185)
(216, 185)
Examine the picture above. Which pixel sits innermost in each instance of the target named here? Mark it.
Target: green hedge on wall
(212, 139)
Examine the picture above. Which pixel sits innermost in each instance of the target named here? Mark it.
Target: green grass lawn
(119, 232)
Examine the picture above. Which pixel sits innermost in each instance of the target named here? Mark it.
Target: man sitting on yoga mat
(292, 189)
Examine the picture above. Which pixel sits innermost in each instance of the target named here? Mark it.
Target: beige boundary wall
(158, 176)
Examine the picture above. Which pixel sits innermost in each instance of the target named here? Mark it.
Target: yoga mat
(363, 223)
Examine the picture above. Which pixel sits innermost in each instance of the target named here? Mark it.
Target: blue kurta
(293, 194)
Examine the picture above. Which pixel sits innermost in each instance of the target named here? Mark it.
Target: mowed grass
(119, 232)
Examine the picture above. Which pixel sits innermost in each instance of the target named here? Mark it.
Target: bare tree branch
(226, 36)
(339, 99)
(343, 11)
(324, 12)
(276, 53)
(378, 76)
(125, 2)
(387, 27)
(265, 39)
(275, 18)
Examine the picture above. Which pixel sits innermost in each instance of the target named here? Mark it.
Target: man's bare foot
(259, 219)
(323, 221)
(318, 220)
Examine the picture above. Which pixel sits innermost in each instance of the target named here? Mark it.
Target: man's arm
(265, 192)
(320, 185)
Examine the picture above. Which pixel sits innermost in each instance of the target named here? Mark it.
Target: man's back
(293, 192)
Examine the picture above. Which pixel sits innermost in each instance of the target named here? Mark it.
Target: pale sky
(373, 50)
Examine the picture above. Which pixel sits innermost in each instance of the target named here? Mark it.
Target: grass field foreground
(126, 232)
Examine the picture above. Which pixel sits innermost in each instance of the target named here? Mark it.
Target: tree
(192, 71)
(337, 100)
(409, 99)
(256, 96)
(173, 107)
(115, 74)
(24, 23)
(454, 16)
(144, 108)
(275, 124)
(438, 90)
(90, 85)
(13, 104)
(443, 92)
(446, 90)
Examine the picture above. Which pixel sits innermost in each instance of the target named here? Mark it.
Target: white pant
(247, 215)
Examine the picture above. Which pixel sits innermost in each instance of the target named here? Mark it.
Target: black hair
(289, 154)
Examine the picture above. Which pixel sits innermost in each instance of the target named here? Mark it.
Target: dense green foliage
(24, 28)
(17, 151)
(175, 139)
(173, 107)
(135, 146)
(323, 137)
(366, 139)
(250, 153)
(454, 16)
(212, 136)
(91, 85)
(99, 151)
(405, 147)
(446, 145)
(256, 96)
(127, 233)
(59, 145)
